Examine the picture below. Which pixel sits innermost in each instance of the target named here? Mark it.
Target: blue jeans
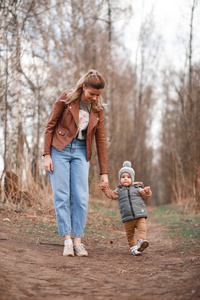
(69, 183)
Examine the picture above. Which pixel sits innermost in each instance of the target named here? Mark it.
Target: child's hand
(146, 193)
(147, 190)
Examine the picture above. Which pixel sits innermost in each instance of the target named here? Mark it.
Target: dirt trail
(30, 270)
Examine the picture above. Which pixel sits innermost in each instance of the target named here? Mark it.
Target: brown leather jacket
(62, 127)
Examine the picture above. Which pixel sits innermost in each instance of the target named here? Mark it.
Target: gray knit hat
(127, 169)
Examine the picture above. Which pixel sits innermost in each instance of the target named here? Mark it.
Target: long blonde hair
(91, 79)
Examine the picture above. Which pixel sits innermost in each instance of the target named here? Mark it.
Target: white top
(84, 115)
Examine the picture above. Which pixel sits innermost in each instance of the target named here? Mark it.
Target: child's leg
(130, 232)
(142, 243)
(142, 228)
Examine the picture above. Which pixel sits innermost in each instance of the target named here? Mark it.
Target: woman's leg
(60, 182)
(79, 189)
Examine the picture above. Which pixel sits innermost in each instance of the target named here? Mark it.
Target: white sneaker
(80, 250)
(134, 250)
(68, 250)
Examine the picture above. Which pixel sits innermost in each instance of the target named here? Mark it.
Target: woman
(74, 120)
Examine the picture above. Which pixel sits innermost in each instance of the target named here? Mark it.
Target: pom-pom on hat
(127, 169)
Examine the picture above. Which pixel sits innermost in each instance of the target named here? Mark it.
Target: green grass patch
(180, 224)
(37, 229)
(103, 222)
(103, 216)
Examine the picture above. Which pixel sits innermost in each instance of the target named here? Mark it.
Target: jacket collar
(74, 108)
(94, 118)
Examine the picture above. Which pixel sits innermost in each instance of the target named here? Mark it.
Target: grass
(106, 215)
(182, 225)
(103, 219)
(39, 230)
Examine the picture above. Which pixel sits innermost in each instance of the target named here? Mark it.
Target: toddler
(131, 196)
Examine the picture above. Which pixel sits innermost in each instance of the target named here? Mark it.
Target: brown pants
(130, 226)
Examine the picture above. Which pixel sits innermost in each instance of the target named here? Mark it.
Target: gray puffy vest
(131, 205)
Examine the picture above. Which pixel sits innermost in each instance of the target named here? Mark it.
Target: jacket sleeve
(101, 145)
(144, 195)
(111, 194)
(54, 116)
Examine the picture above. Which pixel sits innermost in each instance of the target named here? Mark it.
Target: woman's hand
(103, 186)
(104, 180)
(48, 164)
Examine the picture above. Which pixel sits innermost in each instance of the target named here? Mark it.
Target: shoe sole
(81, 255)
(71, 254)
(136, 254)
(144, 245)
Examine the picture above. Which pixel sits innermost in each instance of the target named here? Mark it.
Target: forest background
(46, 46)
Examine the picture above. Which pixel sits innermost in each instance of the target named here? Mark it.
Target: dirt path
(31, 270)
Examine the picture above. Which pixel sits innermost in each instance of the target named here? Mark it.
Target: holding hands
(103, 184)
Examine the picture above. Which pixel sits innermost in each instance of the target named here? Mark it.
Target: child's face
(125, 179)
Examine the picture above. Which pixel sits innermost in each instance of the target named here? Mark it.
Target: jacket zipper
(129, 198)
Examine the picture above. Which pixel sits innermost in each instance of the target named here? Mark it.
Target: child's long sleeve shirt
(113, 194)
(131, 200)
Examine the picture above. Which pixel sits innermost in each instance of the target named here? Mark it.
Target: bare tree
(180, 154)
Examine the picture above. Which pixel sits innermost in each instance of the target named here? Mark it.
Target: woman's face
(90, 95)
